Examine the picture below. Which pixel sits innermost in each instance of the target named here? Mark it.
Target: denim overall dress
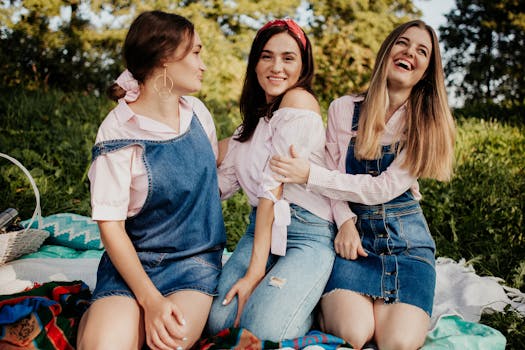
(179, 233)
(400, 266)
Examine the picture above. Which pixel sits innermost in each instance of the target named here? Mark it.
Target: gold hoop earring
(165, 82)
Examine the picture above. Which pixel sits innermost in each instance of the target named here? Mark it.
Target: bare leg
(400, 326)
(195, 307)
(114, 322)
(348, 315)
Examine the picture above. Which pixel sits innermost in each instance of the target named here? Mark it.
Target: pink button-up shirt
(246, 163)
(119, 181)
(365, 189)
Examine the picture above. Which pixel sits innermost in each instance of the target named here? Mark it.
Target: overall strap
(355, 118)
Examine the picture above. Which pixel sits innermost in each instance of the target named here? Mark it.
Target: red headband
(290, 24)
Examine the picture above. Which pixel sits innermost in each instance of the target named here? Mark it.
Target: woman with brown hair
(275, 277)
(154, 195)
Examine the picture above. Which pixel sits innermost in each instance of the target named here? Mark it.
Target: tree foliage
(347, 35)
(485, 40)
(76, 44)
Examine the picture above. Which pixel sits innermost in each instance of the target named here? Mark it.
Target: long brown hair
(430, 128)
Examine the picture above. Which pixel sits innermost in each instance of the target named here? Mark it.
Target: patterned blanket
(45, 317)
(240, 338)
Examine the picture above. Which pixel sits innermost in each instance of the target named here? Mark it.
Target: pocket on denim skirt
(151, 259)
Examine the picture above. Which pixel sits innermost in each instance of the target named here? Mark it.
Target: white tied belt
(282, 218)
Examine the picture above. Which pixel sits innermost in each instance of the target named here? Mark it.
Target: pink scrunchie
(130, 85)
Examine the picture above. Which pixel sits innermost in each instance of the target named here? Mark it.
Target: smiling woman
(274, 278)
(279, 66)
(379, 144)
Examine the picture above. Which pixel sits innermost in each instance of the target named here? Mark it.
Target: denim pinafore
(400, 266)
(179, 233)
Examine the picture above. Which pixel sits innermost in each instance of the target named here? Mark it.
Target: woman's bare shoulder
(300, 98)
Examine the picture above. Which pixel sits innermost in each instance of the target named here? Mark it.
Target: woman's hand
(243, 288)
(164, 324)
(290, 170)
(347, 243)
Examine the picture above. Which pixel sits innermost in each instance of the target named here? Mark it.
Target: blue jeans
(277, 312)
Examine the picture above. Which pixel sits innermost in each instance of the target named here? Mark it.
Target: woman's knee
(401, 341)
(111, 323)
(349, 316)
(95, 338)
(354, 332)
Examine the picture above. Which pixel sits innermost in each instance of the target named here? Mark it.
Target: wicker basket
(16, 243)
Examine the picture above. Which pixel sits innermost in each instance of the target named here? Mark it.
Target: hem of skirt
(124, 293)
(213, 293)
(354, 291)
(387, 302)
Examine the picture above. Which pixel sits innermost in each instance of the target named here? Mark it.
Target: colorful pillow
(70, 230)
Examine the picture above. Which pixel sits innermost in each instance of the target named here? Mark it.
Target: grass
(477, 216)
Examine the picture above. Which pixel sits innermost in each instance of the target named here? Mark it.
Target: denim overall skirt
(179, 233)
(400, 266)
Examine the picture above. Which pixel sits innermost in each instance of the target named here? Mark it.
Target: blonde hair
(430, 128)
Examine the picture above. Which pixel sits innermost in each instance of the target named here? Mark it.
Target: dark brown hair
(152, 37)
(253, 103)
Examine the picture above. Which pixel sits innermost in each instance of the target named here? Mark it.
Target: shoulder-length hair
(430, 128)
(151, 39)
(253, 103)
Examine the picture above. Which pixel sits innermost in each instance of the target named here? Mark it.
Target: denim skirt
(198, 272)
(400, 266)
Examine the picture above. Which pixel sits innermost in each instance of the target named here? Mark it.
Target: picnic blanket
(452, 332)
(45, 317)
(240, 338)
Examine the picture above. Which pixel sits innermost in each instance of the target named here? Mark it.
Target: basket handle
(37, 214)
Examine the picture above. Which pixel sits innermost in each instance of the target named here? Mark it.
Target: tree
(485, 42)
(70, 53)
(70, 44)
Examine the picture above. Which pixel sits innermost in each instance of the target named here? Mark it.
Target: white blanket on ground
(459, 290)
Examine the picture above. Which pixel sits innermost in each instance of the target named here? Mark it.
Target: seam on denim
(154, 263)
(427, 261)
(115, 293)
(204, 262)
(191, 288)
(303, 220)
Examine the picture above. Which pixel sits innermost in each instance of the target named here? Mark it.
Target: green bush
(51, 134)
(479, 214)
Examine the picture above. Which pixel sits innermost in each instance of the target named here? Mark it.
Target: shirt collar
(124, 114)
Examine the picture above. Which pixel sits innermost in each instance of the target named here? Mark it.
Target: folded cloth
(460, 291)
(45, 317)
(452, 332)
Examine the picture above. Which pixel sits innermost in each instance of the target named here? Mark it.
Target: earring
(165, 82)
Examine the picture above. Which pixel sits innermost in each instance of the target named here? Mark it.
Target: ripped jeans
(282, 305)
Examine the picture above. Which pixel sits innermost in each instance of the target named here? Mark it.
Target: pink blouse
(365, 189)
(119, 182)
(246, 163)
